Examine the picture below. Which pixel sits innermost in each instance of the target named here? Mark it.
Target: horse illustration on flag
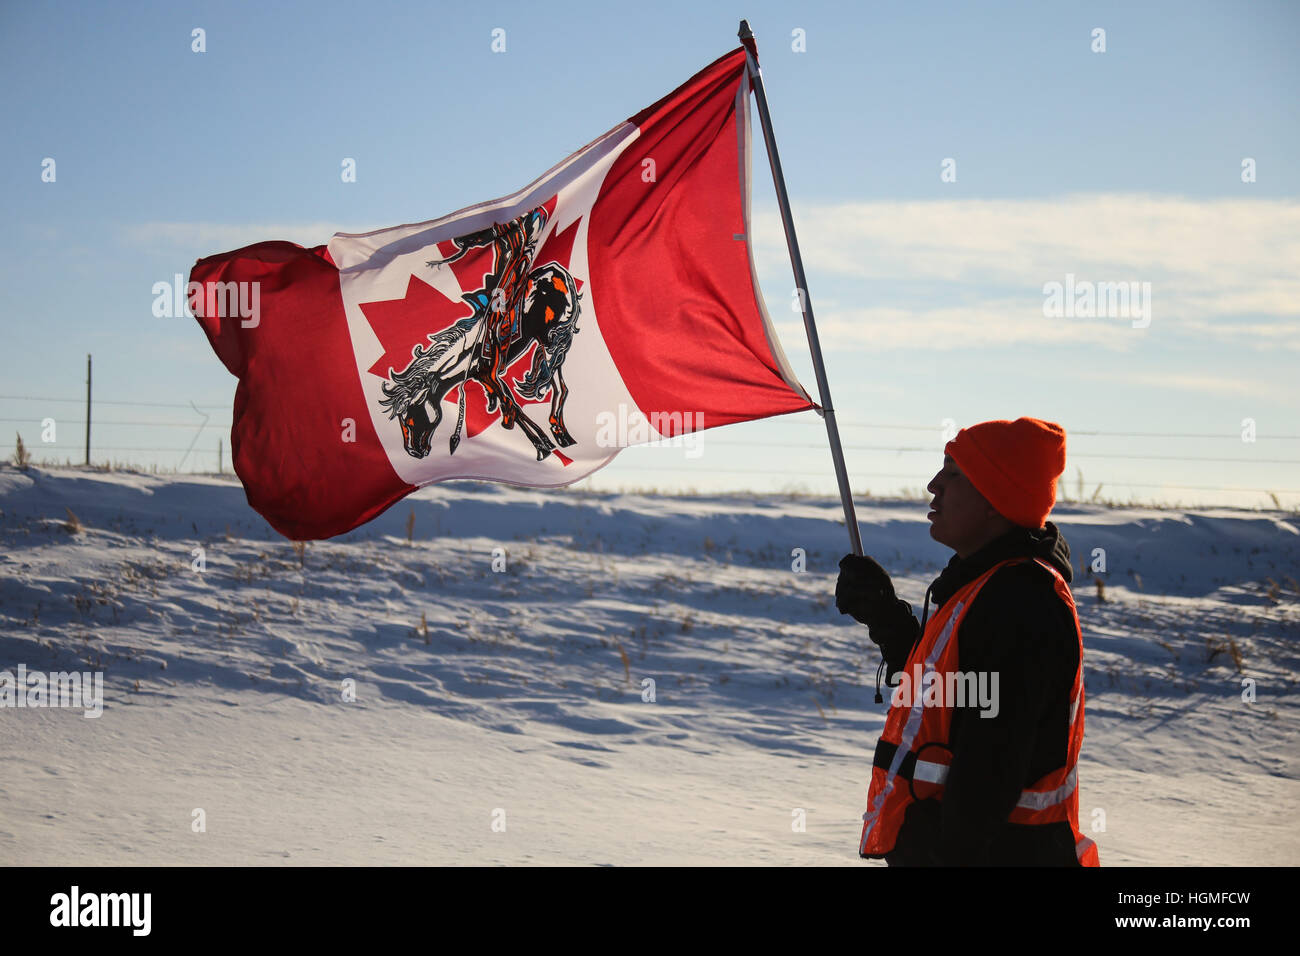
(517, 309)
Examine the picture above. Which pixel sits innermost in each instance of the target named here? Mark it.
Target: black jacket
(1019, 628)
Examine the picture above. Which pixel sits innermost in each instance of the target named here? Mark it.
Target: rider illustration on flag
(516, 310)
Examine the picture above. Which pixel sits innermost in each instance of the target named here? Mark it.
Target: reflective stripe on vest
(1037, 800)
(914, 741)
(1086, 851)
(872, 816)
(929, 771)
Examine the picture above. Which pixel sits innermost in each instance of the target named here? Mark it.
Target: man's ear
(992, 514)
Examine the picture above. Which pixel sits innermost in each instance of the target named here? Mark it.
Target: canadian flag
(522, 340)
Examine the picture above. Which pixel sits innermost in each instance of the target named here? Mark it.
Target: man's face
(960, 518)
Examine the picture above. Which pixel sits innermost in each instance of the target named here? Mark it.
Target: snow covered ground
(501, 716)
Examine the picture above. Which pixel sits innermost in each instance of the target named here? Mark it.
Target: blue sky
(1123, 165)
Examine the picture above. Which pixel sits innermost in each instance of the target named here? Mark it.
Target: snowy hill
(505, 715)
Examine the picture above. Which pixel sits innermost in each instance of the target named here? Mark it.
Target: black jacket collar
(1047, 543)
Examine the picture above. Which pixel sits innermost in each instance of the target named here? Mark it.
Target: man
(959, 779)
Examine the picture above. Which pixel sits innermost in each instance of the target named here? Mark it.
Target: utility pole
(88, 410)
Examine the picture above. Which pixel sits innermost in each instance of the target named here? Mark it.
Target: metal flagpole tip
(747, 41)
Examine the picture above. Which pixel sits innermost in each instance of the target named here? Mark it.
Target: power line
(1073, 432)
(914, 449)
(875, 474)
(884, 474)
(99, 447)
(928, 451)
(787, 419)
(933, 451)
(98, 422)
(100, 401)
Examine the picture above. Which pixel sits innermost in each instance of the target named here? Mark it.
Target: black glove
(864, 590)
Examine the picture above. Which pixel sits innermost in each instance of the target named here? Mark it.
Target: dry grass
(1216, 646)
(1236, 654)
(22, 457)
(73, 525)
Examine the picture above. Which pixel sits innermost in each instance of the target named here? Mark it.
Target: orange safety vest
(912, 757)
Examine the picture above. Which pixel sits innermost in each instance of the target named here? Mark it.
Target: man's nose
(934, 485)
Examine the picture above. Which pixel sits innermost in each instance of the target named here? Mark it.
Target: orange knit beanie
(1014, 465)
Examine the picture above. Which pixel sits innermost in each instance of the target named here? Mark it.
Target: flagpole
(823, 387)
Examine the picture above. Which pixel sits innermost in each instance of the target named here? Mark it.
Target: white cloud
(987, 323)
(1185, 382)
(1225, 269)
(212, 237)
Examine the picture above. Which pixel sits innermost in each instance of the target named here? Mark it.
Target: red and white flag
(521, 340)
